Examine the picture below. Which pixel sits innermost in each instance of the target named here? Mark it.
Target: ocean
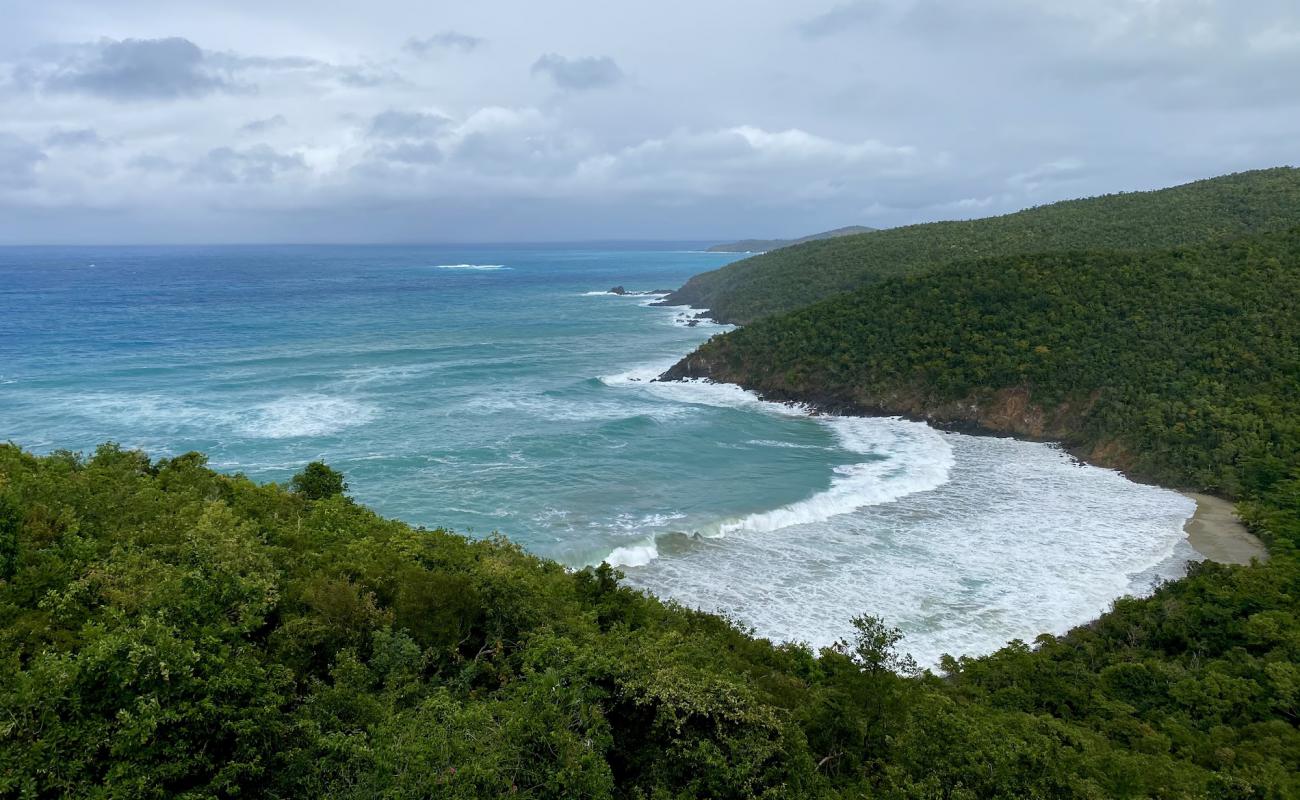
(503, 389)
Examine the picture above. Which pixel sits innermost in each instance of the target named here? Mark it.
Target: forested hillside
(167, 631)
(790, 278)
(1181, 366)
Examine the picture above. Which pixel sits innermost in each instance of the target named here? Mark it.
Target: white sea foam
(634, 555)
(1019, 541)
(557, 409)
(784, 445)
(698, 391)
(630, 522)
(644, 550)
(145, 412)
(388, 374)
(480, 267)
(306, 415)
(903, 457)
(907, 457)
(286, 417)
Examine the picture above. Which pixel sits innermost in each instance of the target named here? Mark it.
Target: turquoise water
(500, 389)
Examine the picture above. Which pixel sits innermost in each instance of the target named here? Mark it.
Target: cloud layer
(239, 122)
(589, 72)
(135, 69)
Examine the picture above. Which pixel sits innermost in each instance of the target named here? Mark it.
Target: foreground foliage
(168, 631)
(794, 277)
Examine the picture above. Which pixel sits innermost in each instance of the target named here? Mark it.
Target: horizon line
(412, 243)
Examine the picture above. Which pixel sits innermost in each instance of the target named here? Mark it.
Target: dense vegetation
(167, 631)
(1250, 202)
(1181, 366)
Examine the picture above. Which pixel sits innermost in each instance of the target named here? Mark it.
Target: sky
(135, 121)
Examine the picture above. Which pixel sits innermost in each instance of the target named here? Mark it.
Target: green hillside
(793, 277)
(1182, 366)
(764, 245)
(169, 632)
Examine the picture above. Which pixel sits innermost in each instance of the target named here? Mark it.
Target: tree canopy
(793, 277)
(168, 631)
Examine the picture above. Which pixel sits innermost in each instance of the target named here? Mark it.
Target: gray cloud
(263, 125)
(138, 69)
(841, 18)
(366, 77)
(18, 162)
(409, 153)
(175, 68)
(258, 164)
(1173, 55)
(442, 42)
(81, 137)
(798, 119)
(393, 124)
(234, 62)
(591, 72)
(151, 162)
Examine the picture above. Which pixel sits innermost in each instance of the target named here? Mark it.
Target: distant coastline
(758, 246)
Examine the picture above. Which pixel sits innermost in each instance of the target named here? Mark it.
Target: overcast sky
(136, 121)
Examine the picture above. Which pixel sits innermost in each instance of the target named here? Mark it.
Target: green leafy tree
(875, 647)
(318, 481)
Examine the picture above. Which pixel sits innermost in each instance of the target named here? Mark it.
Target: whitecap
(556, 409)
(480, 267)
(643, 551)
(637, 555)
(306, 415)
(697, 391)
(631, 522)
(907, 458)
(148, 412)
(785, 445)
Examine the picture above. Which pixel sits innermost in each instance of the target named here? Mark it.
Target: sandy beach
(1215, 532)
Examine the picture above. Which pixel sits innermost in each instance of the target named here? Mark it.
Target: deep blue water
(497, 389)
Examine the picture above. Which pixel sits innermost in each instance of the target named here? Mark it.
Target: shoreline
(1215, 532)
